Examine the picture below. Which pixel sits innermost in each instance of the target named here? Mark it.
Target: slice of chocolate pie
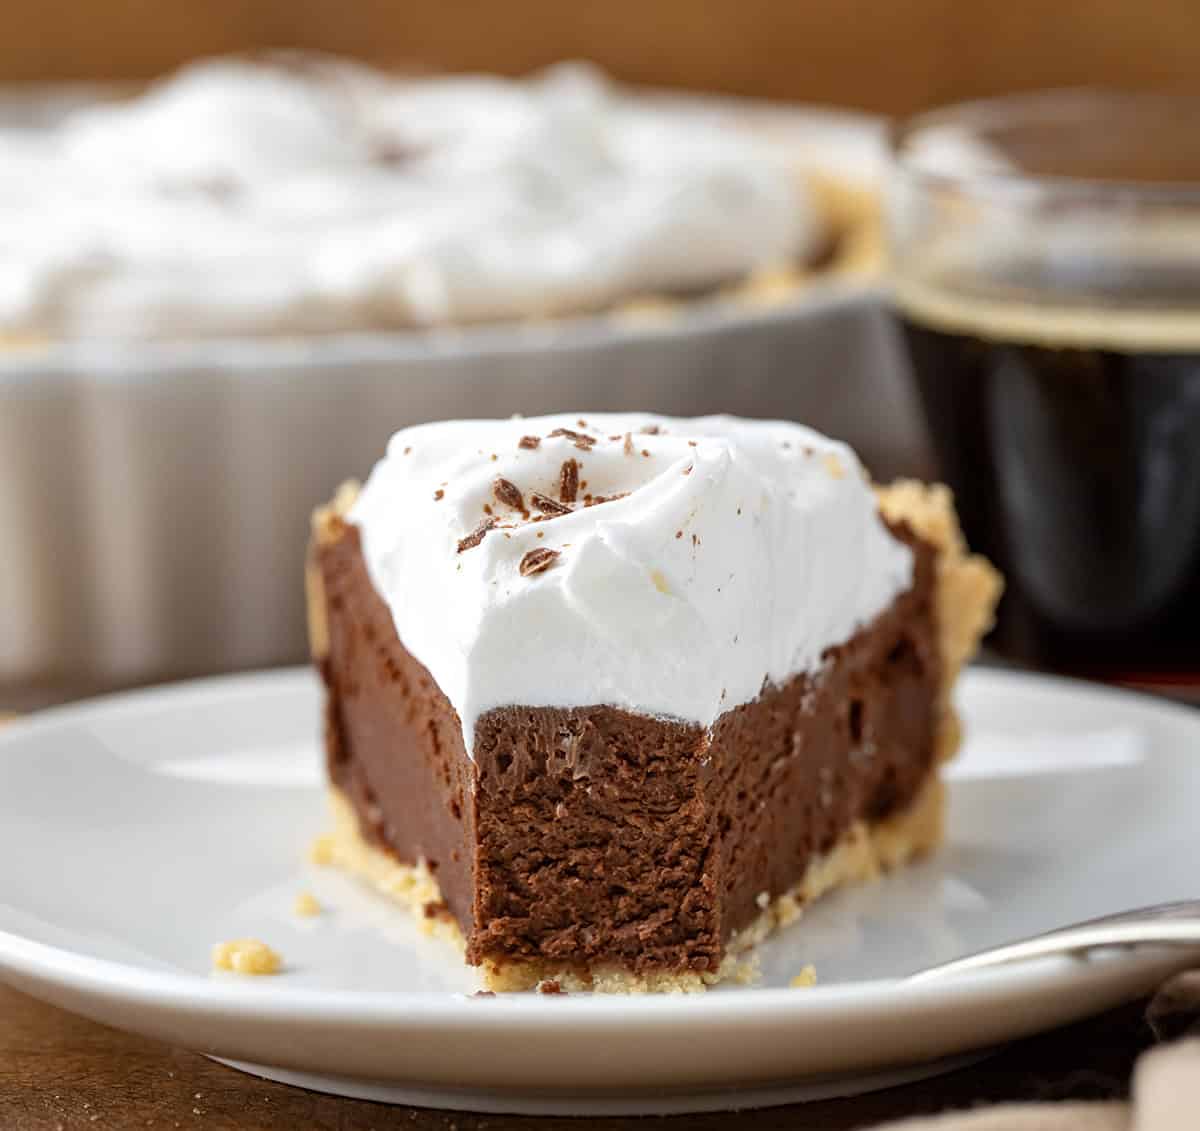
(609, 698)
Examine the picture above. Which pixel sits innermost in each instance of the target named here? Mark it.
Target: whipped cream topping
(249, 198)
(699, 559)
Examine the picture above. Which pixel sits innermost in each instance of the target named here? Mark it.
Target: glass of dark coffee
(1046, 255)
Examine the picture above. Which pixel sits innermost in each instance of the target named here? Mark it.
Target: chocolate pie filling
(594, 835)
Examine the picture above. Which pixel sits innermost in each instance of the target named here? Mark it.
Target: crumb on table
(807, 977)
(246, 956)
(306, 905)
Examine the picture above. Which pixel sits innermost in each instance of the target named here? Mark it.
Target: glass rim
(1038, 105)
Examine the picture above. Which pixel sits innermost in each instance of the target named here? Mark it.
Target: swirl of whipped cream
(247, 198)
(699, 559)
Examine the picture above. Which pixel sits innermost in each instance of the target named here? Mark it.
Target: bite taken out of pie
(609, 698)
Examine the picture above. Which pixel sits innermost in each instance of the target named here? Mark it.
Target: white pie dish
(154, 497)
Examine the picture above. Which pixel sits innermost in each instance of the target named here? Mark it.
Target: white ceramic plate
(136, 831)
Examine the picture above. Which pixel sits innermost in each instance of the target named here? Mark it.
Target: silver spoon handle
(1170, 925)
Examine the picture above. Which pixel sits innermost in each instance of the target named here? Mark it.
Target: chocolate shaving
(538, 560)
(508, 493)
(650, 430)
(596, 500)
(476, 536)
(547, 505)
(568, 481)
(585, 443)
(529, 442)
(439, 494)
(385, 150)
(629, 443)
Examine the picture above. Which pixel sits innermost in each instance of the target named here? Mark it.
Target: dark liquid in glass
(1076, 469)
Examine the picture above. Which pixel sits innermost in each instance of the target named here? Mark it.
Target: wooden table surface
(58, 1071)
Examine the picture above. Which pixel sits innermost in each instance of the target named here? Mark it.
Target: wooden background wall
(891, 55)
